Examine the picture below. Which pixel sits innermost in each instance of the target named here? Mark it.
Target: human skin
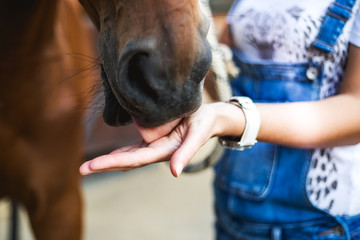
(334, 121)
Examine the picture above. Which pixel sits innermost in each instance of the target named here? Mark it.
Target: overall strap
(333, 24)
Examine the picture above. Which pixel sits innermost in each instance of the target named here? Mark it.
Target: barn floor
(145, 204)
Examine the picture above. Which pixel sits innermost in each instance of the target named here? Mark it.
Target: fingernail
(178, 170)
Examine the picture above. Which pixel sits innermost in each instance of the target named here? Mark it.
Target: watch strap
(252, 125)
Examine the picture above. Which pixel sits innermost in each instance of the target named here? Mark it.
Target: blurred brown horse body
(42, 102)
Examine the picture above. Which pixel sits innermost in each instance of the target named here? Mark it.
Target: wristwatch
(252, 125)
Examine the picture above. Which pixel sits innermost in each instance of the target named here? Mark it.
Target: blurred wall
(220, 6)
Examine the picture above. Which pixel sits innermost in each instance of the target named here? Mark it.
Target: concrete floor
(149, 204)
(144, 204)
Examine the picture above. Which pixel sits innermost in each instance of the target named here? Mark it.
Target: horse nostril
(140, 74)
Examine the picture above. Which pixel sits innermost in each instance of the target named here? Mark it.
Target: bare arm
(326, 123)
(330, 122)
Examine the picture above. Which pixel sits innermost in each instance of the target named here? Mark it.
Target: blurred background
(147, 203)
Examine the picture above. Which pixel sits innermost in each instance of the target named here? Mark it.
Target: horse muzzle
(148, 89)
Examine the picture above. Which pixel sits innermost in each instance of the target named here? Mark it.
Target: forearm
(331, 122)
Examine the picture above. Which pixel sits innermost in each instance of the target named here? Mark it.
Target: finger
(137, 157)
(110, 162)
(119, 161)
(125, 169)
(130, 147)
(85, 168)
(192, 143)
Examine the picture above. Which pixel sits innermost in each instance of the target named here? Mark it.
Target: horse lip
(135, 108)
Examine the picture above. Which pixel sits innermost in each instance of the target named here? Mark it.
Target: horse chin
(120, 111)
(116, 117)
(148, 113)
(154, 114)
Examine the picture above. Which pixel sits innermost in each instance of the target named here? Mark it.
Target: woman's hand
(177, 141)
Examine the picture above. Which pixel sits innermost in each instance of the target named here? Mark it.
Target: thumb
(183, 155)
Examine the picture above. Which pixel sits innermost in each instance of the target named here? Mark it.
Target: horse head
(154, 57)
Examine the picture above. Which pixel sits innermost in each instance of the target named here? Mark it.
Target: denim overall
(260, 193)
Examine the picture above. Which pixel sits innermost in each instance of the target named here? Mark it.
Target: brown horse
(42, 102)
(154, 58)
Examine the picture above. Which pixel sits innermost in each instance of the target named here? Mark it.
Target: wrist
(230, 120)
(252, 125)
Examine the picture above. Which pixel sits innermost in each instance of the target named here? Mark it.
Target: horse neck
(35, 73)
(28, 25)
